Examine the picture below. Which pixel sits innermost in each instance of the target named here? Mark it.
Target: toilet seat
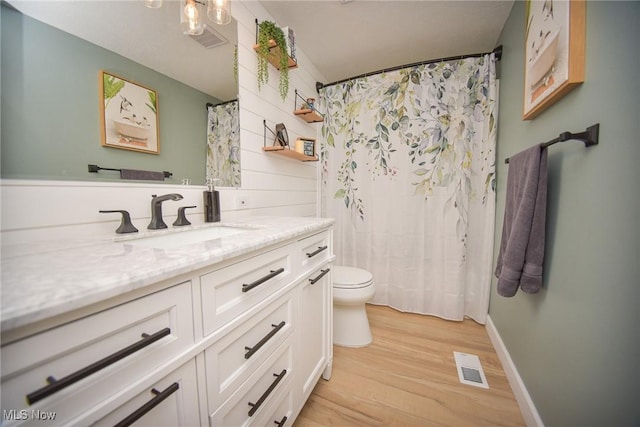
(351, 278)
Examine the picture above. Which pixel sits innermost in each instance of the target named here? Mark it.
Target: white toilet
(352, 288)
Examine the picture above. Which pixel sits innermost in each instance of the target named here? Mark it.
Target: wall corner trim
(529, 411)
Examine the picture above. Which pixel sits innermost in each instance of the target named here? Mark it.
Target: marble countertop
(45, 279)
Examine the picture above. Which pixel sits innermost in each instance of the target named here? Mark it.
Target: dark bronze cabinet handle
(255, 406)
(320, 276)
(316, 252)
(273, 273)
(281, 422)
(251, 350)
(57, 385)
(155, 401)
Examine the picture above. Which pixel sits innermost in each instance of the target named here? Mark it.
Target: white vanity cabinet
(171, 401)
(239, 342)
(80, 365)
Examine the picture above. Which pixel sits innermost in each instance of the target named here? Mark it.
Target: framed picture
(309, 147)
(129, 115)
(554, 52)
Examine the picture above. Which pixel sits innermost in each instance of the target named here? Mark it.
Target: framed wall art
(129, 115)
(554, 52)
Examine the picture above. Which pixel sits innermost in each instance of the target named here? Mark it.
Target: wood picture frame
(128, 115)
(554, 52)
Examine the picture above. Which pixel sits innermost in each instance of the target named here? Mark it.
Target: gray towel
(142, 175)
(522, 247)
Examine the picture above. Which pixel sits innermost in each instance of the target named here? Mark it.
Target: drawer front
(172, 401)
(232, 290)
(259, 394)
(281, 415)
(97, 355)
(314, 251)
(232, 359)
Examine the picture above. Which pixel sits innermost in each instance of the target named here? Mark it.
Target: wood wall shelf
(308, 115)
(274, 54)
(283, 151)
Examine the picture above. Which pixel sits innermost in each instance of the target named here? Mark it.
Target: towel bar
(589, 137)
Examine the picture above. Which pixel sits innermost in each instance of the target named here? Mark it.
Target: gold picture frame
(554, 52)
(128, 115)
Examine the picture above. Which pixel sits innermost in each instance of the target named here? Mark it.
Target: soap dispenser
(211, 202)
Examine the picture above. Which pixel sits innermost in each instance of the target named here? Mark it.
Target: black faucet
(156, 210)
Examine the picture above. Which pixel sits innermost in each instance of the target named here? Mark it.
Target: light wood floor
(408, 377)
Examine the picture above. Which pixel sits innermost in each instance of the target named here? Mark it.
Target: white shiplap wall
(271, 184)
(276, 184)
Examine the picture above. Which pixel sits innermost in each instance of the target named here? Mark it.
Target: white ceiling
(342, 39)
(151, 37)
(345, 39)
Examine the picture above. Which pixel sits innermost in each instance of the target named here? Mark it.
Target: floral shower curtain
(408, 161)
(223, 144)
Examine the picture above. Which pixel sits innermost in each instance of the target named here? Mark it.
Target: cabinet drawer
(280, 416)
(232, 359)
(314, 251)
(232, 290)
(257, 395)
(97, 355)
(172, 401)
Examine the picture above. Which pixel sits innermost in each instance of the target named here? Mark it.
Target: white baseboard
(528, 409)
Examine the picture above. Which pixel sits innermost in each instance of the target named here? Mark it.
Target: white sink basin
(177, 238)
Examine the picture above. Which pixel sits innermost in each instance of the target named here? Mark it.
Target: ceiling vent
(210, 38)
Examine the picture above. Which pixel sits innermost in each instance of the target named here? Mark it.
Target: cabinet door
(314, 324)
(172, 401)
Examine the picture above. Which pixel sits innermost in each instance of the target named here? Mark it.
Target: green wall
(51, 116)
(576, 343)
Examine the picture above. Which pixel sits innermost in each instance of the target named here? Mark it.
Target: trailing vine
(270, 31)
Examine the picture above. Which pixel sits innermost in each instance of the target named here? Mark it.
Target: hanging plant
(267, 31)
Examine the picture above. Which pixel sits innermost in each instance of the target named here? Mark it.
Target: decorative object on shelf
(306, 146)
(297, 153)
(131, 121)
(554, 53)
(271, 43)
(282, 136)
(307, 110)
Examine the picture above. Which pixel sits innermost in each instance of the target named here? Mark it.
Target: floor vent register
(470, 370)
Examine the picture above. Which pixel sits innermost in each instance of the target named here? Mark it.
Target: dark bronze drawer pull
(255, 406)
(155, 401)
(316, 252)
(263, 341)
(260, 281)
(57, 385)
(320, 276)
(281, 422)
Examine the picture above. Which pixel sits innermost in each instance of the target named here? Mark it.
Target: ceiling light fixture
(219, 11)
(190, 21)
(153, 4)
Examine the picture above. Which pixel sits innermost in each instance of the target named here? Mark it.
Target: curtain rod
(221, 103)
(497, 51)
